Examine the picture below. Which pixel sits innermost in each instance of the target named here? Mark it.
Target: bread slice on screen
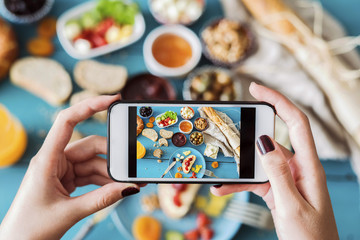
(100, 78)
(43, 77)
(150, 133)
(82, 95)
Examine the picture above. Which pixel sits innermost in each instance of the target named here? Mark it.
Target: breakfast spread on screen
(211, 149)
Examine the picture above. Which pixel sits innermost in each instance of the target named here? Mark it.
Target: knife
(168, 169)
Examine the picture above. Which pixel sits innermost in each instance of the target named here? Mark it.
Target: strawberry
(206, 233)
(103, 26)
(202, 220)
(192, 235)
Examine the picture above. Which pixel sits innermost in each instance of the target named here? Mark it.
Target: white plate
(129, 209)
(77, 12)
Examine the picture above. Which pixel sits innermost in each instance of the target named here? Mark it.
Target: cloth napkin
(214, 135)
(275, 67)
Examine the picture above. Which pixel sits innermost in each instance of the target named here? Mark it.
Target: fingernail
(217, 186)
(129, 191)
(264, 144)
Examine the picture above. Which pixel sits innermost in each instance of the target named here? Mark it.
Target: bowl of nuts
(196, 138)
(227, 42)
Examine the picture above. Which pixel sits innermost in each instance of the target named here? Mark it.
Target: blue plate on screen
(200, 160)
(130, 208)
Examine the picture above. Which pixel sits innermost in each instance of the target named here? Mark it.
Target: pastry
(139, 125)
(9, 48)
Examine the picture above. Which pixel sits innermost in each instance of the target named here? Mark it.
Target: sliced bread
(150, 133)
(43, 77)
(163, 142)
(166, 134)
(100, 78)
(80, 96)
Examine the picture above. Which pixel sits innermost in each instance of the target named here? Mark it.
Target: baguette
(233, 138)
(100, 78)
(315, 56)
(43, 77)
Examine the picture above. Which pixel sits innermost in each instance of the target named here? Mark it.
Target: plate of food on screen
(190, 163)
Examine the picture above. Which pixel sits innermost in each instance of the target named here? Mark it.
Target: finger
(60, 133)
(299, 128)
(102, 197)
(96, 165)
(258, 189)
(86, 148)
(92, 179)
(278, 171)
(287, 153)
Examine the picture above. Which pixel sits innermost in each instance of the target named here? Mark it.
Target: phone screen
(193, 141)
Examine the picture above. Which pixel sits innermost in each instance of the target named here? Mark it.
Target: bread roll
(43, 77)
(9, 48)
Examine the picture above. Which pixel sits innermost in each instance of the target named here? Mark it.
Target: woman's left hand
(43, 207)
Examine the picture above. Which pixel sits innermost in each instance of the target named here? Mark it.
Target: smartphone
(187, 141)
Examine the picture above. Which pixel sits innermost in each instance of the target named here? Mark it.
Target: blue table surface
(149, 167)
(37, 116)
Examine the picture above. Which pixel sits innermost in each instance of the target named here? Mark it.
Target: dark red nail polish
(217, 186)
(264, 144)
(129, 191)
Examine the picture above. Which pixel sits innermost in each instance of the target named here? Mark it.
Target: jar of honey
(13, 138)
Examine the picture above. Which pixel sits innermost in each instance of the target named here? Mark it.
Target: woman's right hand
(296, 193)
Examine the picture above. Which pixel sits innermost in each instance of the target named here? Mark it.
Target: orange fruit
(47, 27)
(13, 140)
(140, 150)
(215, 164)
(178, 175)
(40, 47)
(146, 228)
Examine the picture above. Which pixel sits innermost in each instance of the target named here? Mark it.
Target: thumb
(277, 169)
(102, 197)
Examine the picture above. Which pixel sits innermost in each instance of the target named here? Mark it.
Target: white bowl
(76, 12)
(176, 120)
(158, 69)
(235, 78)
(192, 127)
